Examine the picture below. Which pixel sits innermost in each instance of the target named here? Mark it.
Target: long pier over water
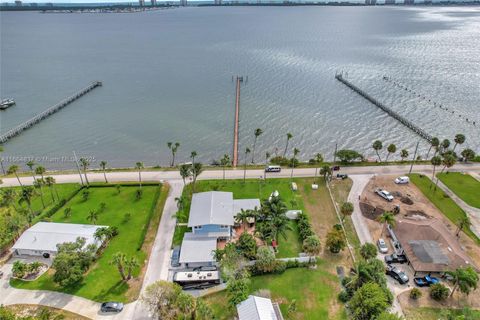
(390, 112)
(237, 119)
(45, 114)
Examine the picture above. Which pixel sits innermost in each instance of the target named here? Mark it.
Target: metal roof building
(44, 237)
(197, 250)
(258, 308)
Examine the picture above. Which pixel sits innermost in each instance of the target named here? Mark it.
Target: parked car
(382, 246)
(402, 180)
(175, 262)
(397, 274)
(336, 168)
(273, 169)
(342, 176)
(426, 281)
(111, 307)
(396, 258)
(384, 194)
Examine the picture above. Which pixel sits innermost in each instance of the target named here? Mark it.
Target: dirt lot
(421, 208)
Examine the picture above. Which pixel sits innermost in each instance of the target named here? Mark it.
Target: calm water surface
(167, 77)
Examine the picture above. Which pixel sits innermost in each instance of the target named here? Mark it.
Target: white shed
(43, 237)
(258, 308)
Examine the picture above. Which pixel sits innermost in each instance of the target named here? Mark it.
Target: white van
(273, 169)
(402, 180)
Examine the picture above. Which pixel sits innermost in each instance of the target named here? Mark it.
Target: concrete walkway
(472, 212)
(157, 269)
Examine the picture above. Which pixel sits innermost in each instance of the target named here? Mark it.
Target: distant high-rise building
(389, 1)
(141, 3)
(373, 2)
(183, 3)
(367, 2)
(409, 2)
(218, 2)
(18, 3)
(154, 3)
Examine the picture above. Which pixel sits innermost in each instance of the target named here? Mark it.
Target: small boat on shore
(6, 103)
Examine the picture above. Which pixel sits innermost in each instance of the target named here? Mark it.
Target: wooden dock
(45, 114)
(390, 112)
(237, 119)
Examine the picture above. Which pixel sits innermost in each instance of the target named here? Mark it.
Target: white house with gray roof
(258, 308)
(212, 217)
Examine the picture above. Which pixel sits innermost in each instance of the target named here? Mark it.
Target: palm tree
(26, 196)
(448, 161)
(30, 164)
(392, 148)
(325, 170)
(403, 154)
(459, 139)
(139, 167)
(433, 144)
(131, 264)
(193, 154)
(40, 171)
(464, 278)
(289, 136)
(9, 197)
(103, 165)
(247, 151)
(242, 217)
(225, 161)
(462, 224)
(85, 163)
(444, 146)
(436, 161)
(377, 146)
(49, 181)
(257, 133)
(346, 209)
(311, 246)
(13, 169)
(119, 259)
(185, 172)
(92, 216)
(295, 154)
(267, 157)
(197, 168)
(387, 218)
(38, 183)
(173, 148)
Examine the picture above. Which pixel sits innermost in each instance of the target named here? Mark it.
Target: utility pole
(414, 157)
(335, 154)
(78, 167)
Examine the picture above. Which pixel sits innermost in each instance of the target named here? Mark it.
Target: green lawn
(312, 289)
(442, 201)
(102, 282)
(290, 247)
(464, 186)
(435, 313)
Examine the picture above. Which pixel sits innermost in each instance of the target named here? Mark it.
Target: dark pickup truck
(396, 258)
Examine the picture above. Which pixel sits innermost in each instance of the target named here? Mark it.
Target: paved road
(238, 174)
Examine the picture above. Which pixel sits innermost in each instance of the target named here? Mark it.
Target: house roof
(430, 246)
(44, 236)
(216, 207)
(256, 308)
(197, 248)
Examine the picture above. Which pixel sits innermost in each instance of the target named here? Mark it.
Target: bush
(19, 269)
(368, 251)
(343, 296)
(304, 226)
(415, 293)
(138, 194)
(279, 160)
(438, 292)
(247, 245)
(280, 267)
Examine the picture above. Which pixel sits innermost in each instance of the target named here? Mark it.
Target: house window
(224, 227)
(197, 227)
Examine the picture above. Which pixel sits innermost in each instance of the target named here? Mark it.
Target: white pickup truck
(384, 194)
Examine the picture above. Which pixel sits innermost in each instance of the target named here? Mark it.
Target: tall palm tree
(448, 161)
(325, 170)
(436, 161)
(392, 148)
(38, 184)
(464, 279)
(462, 224)
(242, 217)
(26, 195)
(40, 170)
(131, 264)
(295, 154)
(225, 161)
(193, 154)
(9, 197)
(85, 163)
(49, 181)
(433, 144)
(13, 169)
(459, 139)
(139, 167)
(247, 151)
(30, 164)
(444, 146)
(118, 260)
(377, 146)
(318, 160)
(197, 168)
(387, 218)
(289, 136)
(257, 133)
(267, 157)
(103, 165)
(173, 148)
(185, 172)
(1, 161)
(92, 216)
